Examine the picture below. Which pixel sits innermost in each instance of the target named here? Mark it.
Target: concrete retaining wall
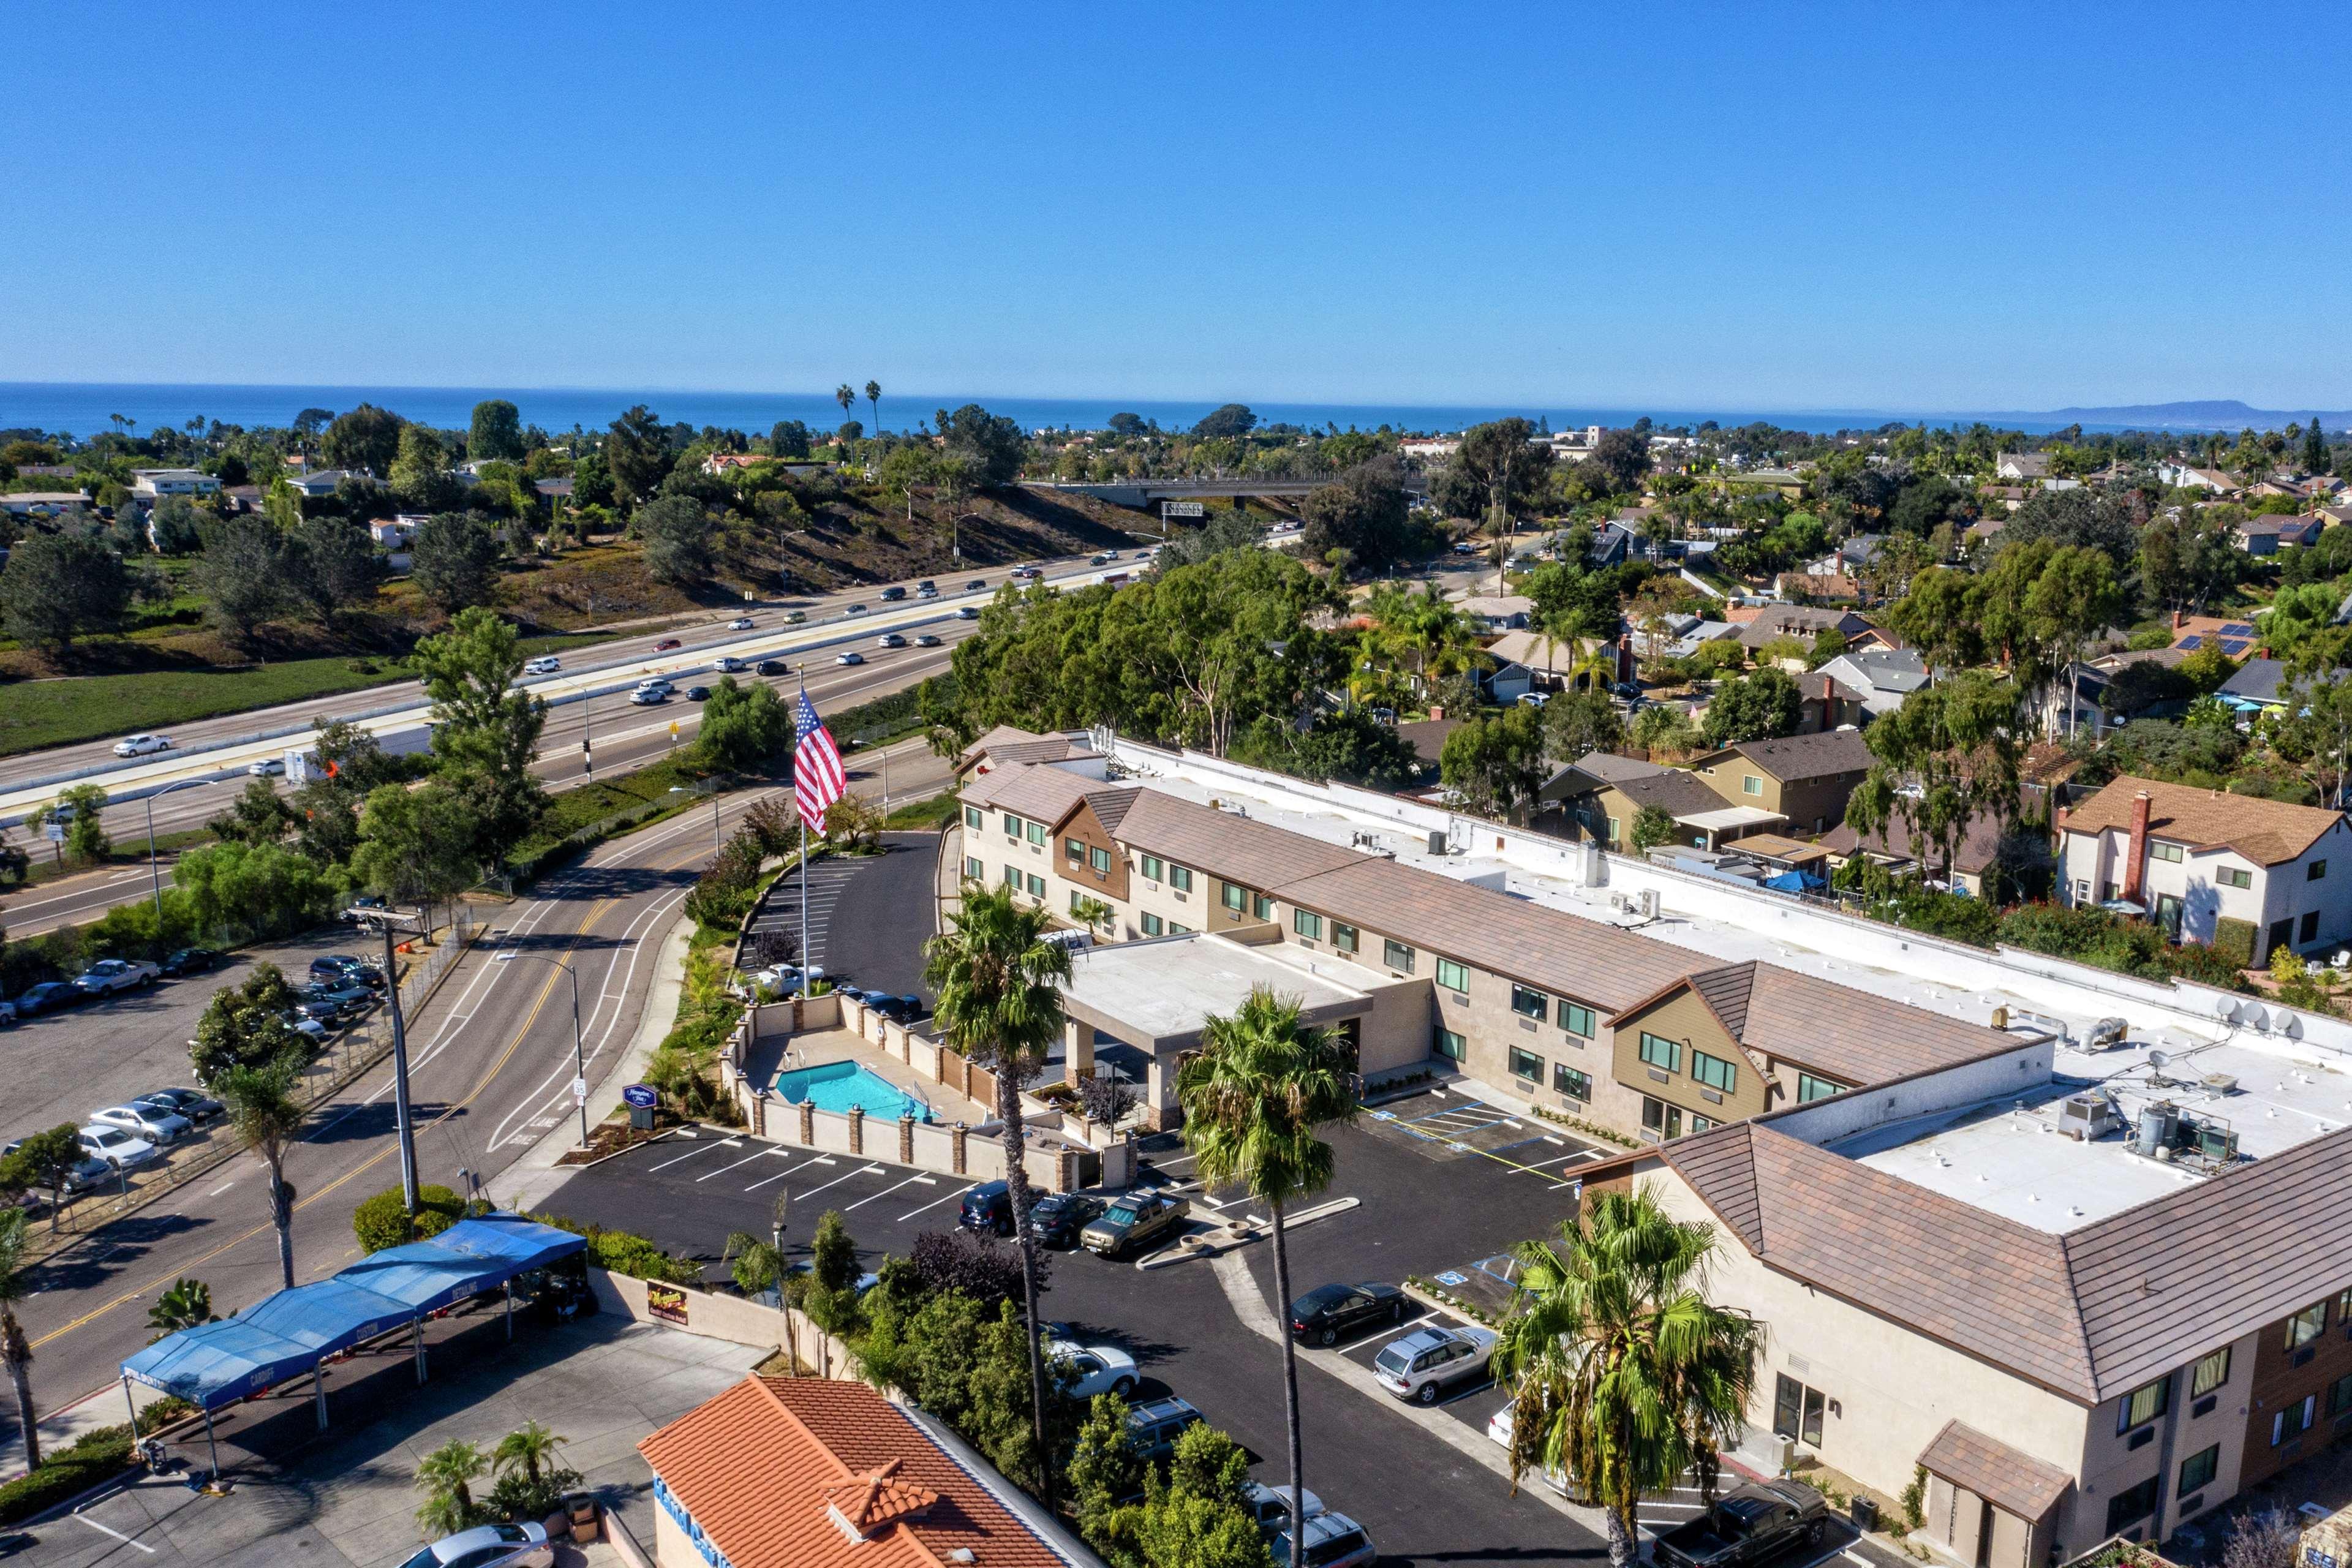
(721, 1317)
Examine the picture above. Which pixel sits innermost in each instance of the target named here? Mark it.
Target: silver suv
(1427, 1363)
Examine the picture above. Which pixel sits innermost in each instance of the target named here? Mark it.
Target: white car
(728, 664)
(546, 664)
(116, 1147)
(648, 696)
(488, 1546)
(739, 624)
(116, 974)
(850, 658)
(266, 768)
(1332, 1541)
(309, 1028)
(1429, 1362)
(154, 1123)
(1498, 1427)
(1271, 1505)
(140, 745)
(1094, 1369)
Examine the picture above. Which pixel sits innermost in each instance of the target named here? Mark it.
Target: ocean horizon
(86, 408)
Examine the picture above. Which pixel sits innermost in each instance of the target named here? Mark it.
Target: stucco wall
(1688, 1021)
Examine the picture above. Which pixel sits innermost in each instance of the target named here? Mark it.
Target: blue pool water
(837, 1086)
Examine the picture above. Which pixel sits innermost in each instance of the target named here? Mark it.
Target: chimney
(2137, 856)
(2176, 620)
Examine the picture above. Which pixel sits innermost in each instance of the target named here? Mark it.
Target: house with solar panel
(2234, 638)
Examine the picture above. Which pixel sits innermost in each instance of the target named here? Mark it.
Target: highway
(491, 1064)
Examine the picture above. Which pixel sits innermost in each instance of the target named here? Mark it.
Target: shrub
(383, 1220)
(625, 1253)
(983, 1267)
(2234, 940)
(93, 1457)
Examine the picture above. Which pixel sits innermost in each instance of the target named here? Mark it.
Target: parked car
(48, 998)
(80, 1176)
(649, 696)
(341, 968)
(122, 1150)
(1332, 1541)
(666, 644)
(7, 1015)
(698, 694)
(986, 1207)
(854, 610)
(488, 1546)
(1326, 1314)
(1464, 547)
(265, 767)
(890, 639)
(545, 664)
(200, 1109)
(891, 596)
(728, 664)
(1428, 1363)
(903, 1009)
(1055, 1219)
(739, 624)
(158, 1126)
(850, 658)
(1271, 1505)
(1752, 1523)
(360, 914)
(977, 585)
(348, 996)
(1132, 1221)
(1153, 1426)
(1499, 1426)
(929, 640)
(772, 667)
(142, 746)
(309, 1028)
(111, 974)
(323, 1011)
(1094, 1369)
(189, 961)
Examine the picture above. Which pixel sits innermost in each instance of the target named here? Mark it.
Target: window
(2318, 871)
(1576, 1020)
(1451, 1045)
(2344, 1308)
(1153, 925)
(1100, 860)
(1012, 878)
(2234, 877)
(1154, 869)
(1658, 1053)
(1037, 886)
(1715, 1072)
(1529, 1003)
(1612, 830)
(1571, 1083)
(1396, 955)
(1236, 896)
(2143, 1404)
(2295, 1420)
(1078, 902)
(1307, 925)
(2199, 1469)
(1037, 831)
(1527, 1064)
(2306, 1325)
(2339, 1394)
(2134, 1503)
(1658, 1117)
(1076, 851)
(1699, 1124)
(1175, 930)
(1181, 879)
(1453, 976)
(1343, 936)
(1751, 785)
(2209, 1374)
(2310, 927)
(1261, 906)
(973, 871)
(1812, 1087)
(2164, 851)
(1797, 1410)
(972, 817)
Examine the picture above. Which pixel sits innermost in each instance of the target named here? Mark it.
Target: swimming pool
(837, 1086)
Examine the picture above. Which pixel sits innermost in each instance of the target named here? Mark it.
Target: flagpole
(806, 962)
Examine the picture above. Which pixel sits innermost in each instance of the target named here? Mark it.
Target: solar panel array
(2237, 629)
(2190, 643)
(2234, 646)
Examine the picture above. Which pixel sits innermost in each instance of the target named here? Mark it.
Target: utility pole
(386, 919)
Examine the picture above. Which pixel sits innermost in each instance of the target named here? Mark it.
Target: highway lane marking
(126, 1540)
(219, 1190)
(870, 1171)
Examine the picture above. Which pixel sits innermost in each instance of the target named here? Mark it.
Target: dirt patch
(612, 1137)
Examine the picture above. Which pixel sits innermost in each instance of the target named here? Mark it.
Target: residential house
(1602, 792)
(809, 1472)
(1999, 498)
(1802, 622)
(151, 485)
(1884, 675)
(42, 503)
(2191, 858)
(2255, 687)
(2022, 467)
(1803, 780)
(395, 532)
(1430, 449)
(1496, 612)
(2263, 535)
(1817, 587)
(1680, 636)
(2185, 476)
(1613, 544)
(1787, 482)
(1553, 662)
(324, 482)
(2234, 638)
(557, 489)
(1975, 854)
(1427, 738)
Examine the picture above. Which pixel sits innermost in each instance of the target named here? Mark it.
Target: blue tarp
(1795, 882)
(292, 1332)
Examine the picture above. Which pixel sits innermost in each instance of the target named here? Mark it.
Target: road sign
(641, 1095)
(55, 831)
(580, 1089)
(1184, 508)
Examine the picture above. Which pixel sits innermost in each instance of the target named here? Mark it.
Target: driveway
(869, 915)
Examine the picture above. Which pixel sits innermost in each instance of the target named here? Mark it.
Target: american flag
(817, 778)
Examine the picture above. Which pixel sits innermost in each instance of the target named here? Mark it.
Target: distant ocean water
(84, 408)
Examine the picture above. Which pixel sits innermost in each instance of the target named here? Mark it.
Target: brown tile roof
(1726, 992)
(2266, 832)
(1044, 794)
(1784, 1016)
(1978, 847)
(762, 1466)
(1227, 843)
(1671, 791)
(2018, 1483)
(1817, 756)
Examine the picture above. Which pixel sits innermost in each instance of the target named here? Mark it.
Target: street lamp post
(579, 1058)
(155, 871)
(387, 919)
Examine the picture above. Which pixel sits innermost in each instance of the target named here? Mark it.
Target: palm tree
(1622, 1375)
(18, 1355)
(874, 396)
(846, 396)
(530, 1449)
(186, 1304)
(1253, 1098)
(998, 985)
(447, 1475)
(263, 1112)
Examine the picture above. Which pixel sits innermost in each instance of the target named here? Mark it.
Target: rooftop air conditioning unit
(1437, 841)
(2084, 1117)
(2108, 1032)
(2221, 1082)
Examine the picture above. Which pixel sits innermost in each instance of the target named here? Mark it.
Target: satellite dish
(2292, 1028)
(2158, 1061)
(2225, 1009)
(2255, 1018)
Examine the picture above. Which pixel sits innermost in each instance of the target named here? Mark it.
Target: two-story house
(1802, 778)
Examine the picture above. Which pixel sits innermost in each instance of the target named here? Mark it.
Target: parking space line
(932, 1205)
(869, 1170)
(691, 1154)
(1549, 1139)
(127, 1541)
(883, 1193)
(724, 1169)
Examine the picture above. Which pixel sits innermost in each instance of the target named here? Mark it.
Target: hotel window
(1154, 870)
(1175, 930)
(2339, 1394)
(1343, 936)
(1751, 785)
(1181, 879)
(1571, 1083)
(2135, 1503)
(1100, 860)
(2234, 877)
(973, 871)
(2317, 872)
(1529, 1003)
(1037, 886)
(1074, 849)
(2295, 1420)
(1812, 1087)
(1715, 1072)
(2199, 1469)
(1077, 902)
(1396, 955)
(2143, 1404)
(1012, 824)
(1612, 830)
(1036, 833)
(1527, 1065)
(1658, 1053)
(1453, 976)
(2306, 1325)
(2209, 1374)
(1658, 1117)
(1153, 925)
(1307, 925)
(2164, 851)
(1261, 906)
(1236, 897)
(1012, 878)
(1576, 1020)
(1451, 1045)
(972, 817)
(1699, 1124)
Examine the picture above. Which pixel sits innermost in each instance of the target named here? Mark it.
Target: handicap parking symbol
(1453, 1277)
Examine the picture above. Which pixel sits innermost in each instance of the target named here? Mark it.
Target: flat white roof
(1731, 816)
(1168, 987)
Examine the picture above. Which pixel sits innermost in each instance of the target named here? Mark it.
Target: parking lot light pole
(387, 918)
(154, 873)
(579, 1058)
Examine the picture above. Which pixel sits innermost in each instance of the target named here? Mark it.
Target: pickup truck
(1745, 1528)
(115, 974)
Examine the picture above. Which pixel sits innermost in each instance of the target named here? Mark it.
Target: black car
(987, 1207)
(698, 694)
(358, 913)
(1058, 1217)
(342, 969)
(1327, 1315)
(772, 667)
(46, 997)
(200, 1109)
(894, 594)
(975, 585)
(190, 961)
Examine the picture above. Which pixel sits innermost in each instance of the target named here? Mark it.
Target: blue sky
(1914, 206)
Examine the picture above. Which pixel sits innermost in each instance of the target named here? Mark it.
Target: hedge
(89, 1461)
(626, 1253)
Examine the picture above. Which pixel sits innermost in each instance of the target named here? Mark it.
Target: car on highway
(666, 644)
(698, 694)
(200, 1109)
(889, 639)
(854, 610)
(987, 1207)
(772, 667)
(545, 664)
(48, 998)
(739, 624)
(154, 1123)
(1270, 1506)
(80, 1176)
(850, 658)
(1055, 1219)
(1153, 1426)
(1093, 1369)
(728, 664)
(119, 1148)
(649, 696)
(188, 961)
(488, 1546)
(265, 767)
(893, 594)
(978, 584)
(929, 640)
(1331, 1541)
(142, 746)
(968, 612)
(1101, 560)
(1132, 1221)
(1427, 1363)
(797, 617)
(111, 974)
(927, 590)
(1326, 1314)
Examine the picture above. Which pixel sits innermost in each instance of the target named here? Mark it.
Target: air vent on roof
(2221, 1082)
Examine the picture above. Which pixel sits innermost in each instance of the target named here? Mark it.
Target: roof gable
(2267, 832)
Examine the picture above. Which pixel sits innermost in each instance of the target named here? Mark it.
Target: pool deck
(818, 1048)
